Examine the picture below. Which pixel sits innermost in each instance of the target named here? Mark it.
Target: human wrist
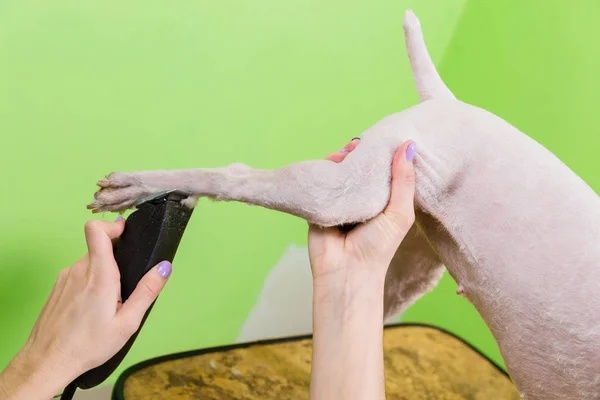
(352, 301)
(366, 283)
(29, 377)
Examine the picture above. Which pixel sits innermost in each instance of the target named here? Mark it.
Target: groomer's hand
(368, 248)
(83, 323)
(349, 271)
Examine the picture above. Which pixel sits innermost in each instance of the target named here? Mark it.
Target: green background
(87, 88)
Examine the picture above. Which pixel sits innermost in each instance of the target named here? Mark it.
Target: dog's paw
(118, 192)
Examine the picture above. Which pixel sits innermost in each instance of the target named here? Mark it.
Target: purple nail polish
(119, 218)
(164, 269)
(410, 151)
(343, 150)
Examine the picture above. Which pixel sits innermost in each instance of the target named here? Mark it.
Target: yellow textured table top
(420, 363)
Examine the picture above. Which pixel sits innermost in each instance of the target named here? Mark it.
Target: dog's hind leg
(415, 270)
(322, 192)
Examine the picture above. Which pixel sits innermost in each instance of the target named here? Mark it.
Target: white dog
(514, 226)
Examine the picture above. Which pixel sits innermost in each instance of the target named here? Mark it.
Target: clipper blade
(163, 194)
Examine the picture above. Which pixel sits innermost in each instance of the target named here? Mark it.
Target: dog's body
(516, 228)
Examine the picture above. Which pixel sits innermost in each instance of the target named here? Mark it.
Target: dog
(513, 225)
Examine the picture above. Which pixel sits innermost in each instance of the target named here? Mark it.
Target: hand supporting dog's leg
(322, 192)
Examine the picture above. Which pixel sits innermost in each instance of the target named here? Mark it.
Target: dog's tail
(427, 80)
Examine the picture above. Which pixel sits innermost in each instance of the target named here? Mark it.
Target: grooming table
(421, 362)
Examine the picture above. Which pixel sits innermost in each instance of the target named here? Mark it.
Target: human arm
(347, 339)
(348, 282)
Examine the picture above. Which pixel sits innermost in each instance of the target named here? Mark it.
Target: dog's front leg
(322, 192)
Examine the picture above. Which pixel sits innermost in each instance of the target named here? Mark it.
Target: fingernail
(343, 150)
(410, 151)
(356, 138)
(119, 218)
(164, 269)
